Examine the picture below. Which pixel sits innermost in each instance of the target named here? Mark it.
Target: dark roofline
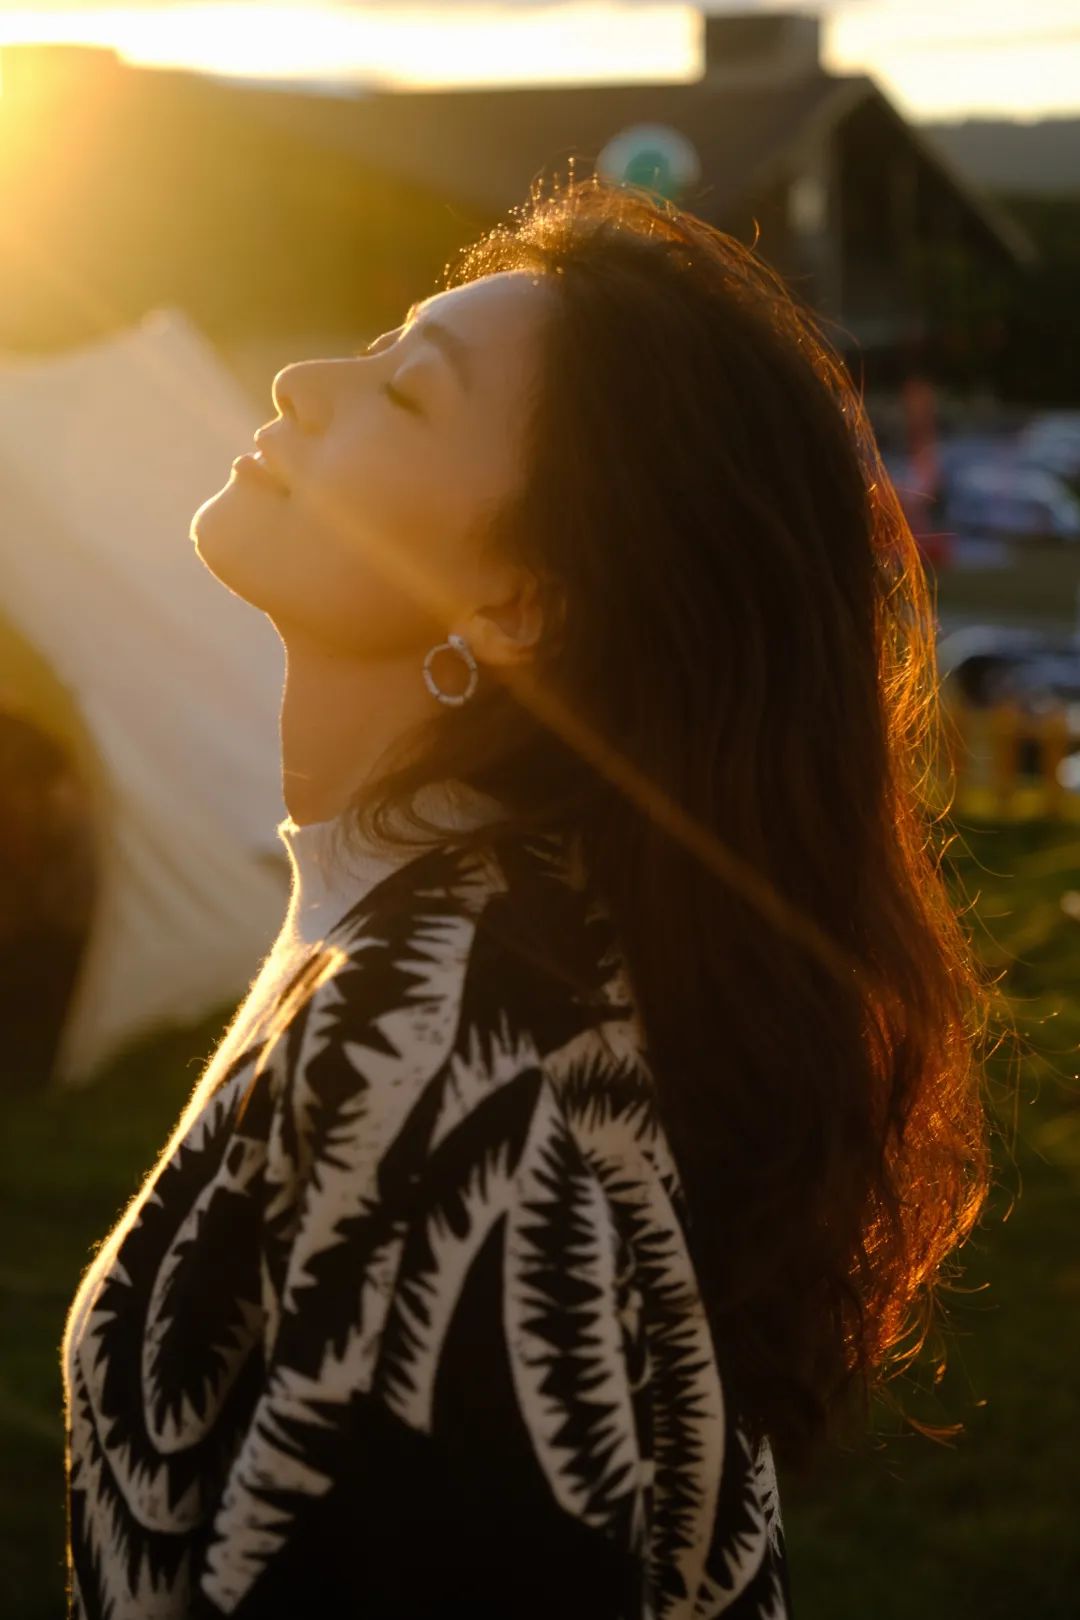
(817, 103)
(629, 102)
(854, 89)
(844, 96)
(1007, 232)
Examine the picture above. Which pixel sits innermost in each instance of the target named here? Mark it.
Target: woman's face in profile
(388, 461)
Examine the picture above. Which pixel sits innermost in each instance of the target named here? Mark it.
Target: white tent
(106, 451)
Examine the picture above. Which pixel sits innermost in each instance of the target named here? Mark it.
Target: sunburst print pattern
(398, 1325)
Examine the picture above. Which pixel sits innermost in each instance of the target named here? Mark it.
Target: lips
(256, 466)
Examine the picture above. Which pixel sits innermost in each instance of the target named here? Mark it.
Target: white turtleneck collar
(325, 885)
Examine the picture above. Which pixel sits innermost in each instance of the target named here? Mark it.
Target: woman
(601, 1121)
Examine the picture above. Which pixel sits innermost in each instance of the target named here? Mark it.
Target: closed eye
(401, 399)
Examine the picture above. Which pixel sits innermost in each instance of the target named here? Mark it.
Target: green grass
(984, 1527)
(69, 1162)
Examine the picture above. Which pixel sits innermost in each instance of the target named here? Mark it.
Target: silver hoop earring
(458, 644)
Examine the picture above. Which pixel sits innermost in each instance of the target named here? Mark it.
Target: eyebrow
(455, 351)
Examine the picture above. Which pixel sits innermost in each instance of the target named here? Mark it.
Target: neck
(338, 716)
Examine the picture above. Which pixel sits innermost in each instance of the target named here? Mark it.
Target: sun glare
(410, 44)
(934, 60)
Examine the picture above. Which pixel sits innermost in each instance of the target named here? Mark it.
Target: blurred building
(281, 216)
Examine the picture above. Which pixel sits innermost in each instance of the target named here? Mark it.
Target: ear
(506, 632)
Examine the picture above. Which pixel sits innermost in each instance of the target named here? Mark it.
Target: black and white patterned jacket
(387, 1331)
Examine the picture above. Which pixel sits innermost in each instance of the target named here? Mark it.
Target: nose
(297, 393)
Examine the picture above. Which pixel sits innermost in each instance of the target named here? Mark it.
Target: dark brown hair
(736, 709)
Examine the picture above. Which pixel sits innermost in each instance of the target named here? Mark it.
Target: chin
(232, 548)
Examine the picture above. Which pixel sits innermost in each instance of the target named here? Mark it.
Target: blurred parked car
(997, 486)
(1052, 441)
(995, 663)
(965, 450)
(1008, 496)
(992, 661)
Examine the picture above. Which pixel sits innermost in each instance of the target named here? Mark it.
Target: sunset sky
(971, 56)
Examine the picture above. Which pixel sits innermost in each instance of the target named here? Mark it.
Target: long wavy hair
(735, 708)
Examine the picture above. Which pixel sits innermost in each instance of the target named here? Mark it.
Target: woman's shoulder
(526, 868)
(474, 971)
(516, 910)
